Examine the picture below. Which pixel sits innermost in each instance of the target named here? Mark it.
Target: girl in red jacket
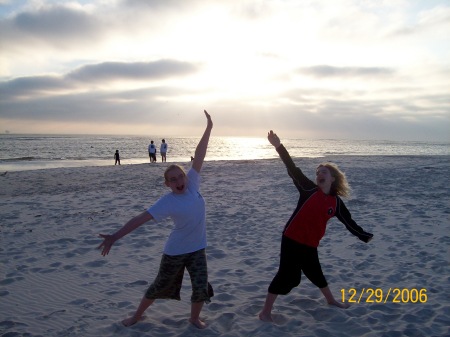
(318, 202)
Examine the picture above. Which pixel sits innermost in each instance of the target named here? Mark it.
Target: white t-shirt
(163, 147)
(188, 213)
(152, 148)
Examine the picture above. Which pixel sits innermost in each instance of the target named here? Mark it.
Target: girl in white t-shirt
(185, 247)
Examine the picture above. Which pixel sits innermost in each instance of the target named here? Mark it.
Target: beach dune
(54, 282)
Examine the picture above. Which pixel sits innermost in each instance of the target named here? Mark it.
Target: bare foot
(265, 317)
(197, 323)
(130, 321)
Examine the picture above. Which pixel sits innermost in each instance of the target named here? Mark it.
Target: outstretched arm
(343, 214)
(108, 240)
(200, 151)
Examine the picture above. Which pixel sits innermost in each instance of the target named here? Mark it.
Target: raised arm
(200, 151)
(300, 180)
(287, 160)
(108, 240)
(273, 139)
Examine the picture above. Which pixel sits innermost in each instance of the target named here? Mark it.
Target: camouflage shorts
(167, 284)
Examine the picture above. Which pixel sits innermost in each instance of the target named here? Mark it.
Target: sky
(341, 69)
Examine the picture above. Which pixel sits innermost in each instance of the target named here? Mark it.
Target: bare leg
(196, 307)
(331, 300)
(145, 303)
(266, 313)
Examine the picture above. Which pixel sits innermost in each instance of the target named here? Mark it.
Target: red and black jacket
(307, 224)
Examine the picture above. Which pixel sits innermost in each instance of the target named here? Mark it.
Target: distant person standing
(152, 152)
(117, 157)
(163, 150)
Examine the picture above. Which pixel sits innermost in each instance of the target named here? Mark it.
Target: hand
(273, 139)
(108, 241)
(208, 117)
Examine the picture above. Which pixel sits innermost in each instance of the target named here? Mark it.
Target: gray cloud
(330, 71)
(24, 86)
(359, 120)
(130, 106)
(162, 4)
(329, 119)
(323, 113)
(138, 70)
(404, 114)
(401, 103)
(54, 21)
(97, 73)
(65, 27)
(401, 100)
(59, 25)
(49, 25)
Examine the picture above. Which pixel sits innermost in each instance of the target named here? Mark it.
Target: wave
(18, 159)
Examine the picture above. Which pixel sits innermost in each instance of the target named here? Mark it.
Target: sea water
(30, 152)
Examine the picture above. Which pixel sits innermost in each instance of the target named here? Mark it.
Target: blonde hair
(170, 168)
(340, 185)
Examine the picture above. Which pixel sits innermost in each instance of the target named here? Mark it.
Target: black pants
(296, 258)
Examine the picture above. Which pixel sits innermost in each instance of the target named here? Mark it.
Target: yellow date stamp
(378, 295)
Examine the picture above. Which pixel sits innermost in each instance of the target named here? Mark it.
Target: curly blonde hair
(340, 185)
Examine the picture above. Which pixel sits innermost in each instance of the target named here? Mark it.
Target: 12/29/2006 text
(377, 295)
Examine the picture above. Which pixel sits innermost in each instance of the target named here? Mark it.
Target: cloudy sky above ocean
(350, 69)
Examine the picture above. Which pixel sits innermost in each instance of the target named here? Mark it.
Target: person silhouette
(152, 152)
(163, 150)
(117, 158)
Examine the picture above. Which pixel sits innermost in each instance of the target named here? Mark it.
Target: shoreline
(20, 166)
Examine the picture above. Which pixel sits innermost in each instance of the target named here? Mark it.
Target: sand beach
(54, 282)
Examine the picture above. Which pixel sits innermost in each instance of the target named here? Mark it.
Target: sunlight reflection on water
(25, 152)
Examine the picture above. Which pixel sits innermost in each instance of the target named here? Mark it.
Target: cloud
(26, 86)
(135, 71)
(88, 75)
(435, 20)
(54, 21)
(322, 69)
(330, 71)
(162, 4)
(122, 107)
(51, 24)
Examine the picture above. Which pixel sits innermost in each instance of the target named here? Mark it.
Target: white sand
(55, 283)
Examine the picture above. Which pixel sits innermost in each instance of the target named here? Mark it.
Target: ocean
(32, 152)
